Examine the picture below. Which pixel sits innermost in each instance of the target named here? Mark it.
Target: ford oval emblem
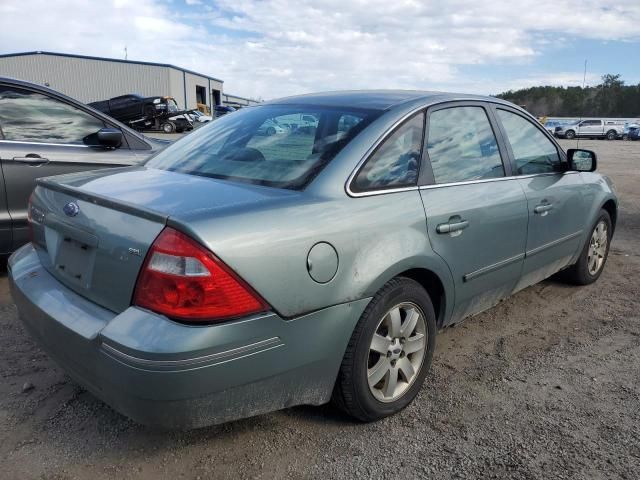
(71, 209)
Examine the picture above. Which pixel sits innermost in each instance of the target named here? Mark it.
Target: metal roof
(105, 59)
(377, 99)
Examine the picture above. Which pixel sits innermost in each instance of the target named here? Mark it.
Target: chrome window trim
(497, 179)
(390, 131)
(370, 151)
(467, 182)
(454, 184)
(382, 192)
(20, 142)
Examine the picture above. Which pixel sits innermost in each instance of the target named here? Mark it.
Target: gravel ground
(545, 385)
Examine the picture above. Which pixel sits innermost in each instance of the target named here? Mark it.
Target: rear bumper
(162, 373)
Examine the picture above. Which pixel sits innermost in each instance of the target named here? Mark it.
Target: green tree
(611, 98)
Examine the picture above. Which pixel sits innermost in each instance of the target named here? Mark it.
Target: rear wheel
(271, 131)
(594, 254)
(168, 127)
(569, 134)
(611, 135)
(389, 353)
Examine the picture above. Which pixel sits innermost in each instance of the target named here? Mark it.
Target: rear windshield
(282, 146)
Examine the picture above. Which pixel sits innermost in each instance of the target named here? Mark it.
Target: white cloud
(271, 48)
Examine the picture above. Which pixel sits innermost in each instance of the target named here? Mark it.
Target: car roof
(375, 99)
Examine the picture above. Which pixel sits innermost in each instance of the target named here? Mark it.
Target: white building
(89, 79)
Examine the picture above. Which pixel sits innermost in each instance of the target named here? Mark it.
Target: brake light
(183, 280)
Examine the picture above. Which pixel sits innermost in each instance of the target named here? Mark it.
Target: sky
(272, 48)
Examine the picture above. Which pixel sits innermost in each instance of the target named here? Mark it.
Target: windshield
(281, 146)
(172, 106)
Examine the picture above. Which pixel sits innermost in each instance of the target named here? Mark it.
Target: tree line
(611, 98)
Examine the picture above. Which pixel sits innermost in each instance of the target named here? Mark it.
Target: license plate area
(72, 252)
(75, 261)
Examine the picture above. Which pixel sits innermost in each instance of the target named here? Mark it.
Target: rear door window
(532, 150)
(462, 146)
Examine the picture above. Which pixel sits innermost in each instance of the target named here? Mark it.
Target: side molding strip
(560, 240)
(491, 268)
(233, 354)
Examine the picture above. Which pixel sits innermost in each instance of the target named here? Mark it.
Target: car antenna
(584, 96)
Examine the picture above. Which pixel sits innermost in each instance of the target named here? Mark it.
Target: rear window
(282, 146)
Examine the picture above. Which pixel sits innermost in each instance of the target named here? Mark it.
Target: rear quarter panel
(376, 238)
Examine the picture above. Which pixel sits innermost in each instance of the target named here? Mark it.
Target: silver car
(237, 273)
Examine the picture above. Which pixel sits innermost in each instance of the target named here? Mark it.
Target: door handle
(543, 208)
(32, 159)
(452, 227)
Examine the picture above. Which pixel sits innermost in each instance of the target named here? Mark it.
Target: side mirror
(109, 137)
(582, 160)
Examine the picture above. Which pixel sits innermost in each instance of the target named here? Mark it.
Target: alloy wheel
(396, 352)
(597, 248)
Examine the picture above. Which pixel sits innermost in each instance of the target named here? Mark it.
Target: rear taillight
(183, 280)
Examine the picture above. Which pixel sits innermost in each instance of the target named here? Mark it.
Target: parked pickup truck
(590, 128)
(146, 113)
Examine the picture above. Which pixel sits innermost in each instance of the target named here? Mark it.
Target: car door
(583, 128)
(42, 136)
(476, 212)
(590, 127)
(121, 108)
(134, 107)
(554, 196)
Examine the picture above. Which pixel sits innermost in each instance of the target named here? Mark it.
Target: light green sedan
(238, 273)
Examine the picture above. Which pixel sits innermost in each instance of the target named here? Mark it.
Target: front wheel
(389, 353)
(570, 134)
(594, 254)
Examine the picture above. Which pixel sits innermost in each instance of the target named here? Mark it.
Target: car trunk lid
(94, 229)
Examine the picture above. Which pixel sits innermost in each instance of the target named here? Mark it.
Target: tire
(582, 272)
(570, 134)
(271, 131)
(168, 127)
(352, 392)
(625, 137)
(611, 135)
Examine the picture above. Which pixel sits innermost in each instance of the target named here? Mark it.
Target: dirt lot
(546, 385)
